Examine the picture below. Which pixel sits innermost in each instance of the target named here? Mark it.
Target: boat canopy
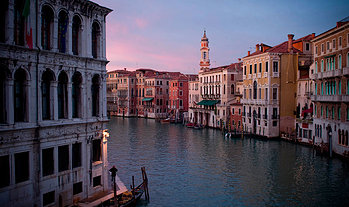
(147, 99)
(208, 102)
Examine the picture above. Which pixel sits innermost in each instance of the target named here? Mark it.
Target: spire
(204, 38)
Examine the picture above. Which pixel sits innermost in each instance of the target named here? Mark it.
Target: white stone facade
(54, 103)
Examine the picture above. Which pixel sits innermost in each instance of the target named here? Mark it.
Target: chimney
(313, 35)
(290, 41)
(125, 69)
(262, 48)
(257, 47)
(239, 59)
(248, 53)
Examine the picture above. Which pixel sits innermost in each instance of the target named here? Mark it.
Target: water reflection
(189, 167)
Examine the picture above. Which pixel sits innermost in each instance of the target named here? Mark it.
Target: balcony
(308, 94)
(275, 74)
(259, 75)
(346, 71)
(249, 76)
(265, 116)
(345, 98)
(265, 74)
(326, 98)
(243, 113)
(254, 75)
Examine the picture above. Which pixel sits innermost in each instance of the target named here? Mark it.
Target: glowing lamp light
(105, 135)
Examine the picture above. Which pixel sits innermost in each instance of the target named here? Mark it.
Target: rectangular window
(21, 167)
(339, 113)
(275, 67)
(233, 111)
(5, 171)
(250, 69)
(328, 45)
(316, 50)
(266, 66)
(340, 41)
(275, 93)
(260, 67)
(334, 44)
(47, 161)
(255, 68)
(96, 181)
(96, 150)
(76, 155)
(48, 198)
(266, 94)
(77, 188)
(245, 70)
(63, 158)
(322, 47)
(307, 46)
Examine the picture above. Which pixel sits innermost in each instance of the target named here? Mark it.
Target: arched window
(95, 95)
(254, 90)
(315, 68)
(76, 35)
(76, 95)
(47, 105)
(3, 12)
(20, 95)
(339, 61)
(339, 137)
(19, 22)
(46, 27)
(232, 89)
(95, 39)
(322, 65)
(62, 96)
(62, 31)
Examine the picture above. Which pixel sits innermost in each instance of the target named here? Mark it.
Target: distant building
(53, 111)
(331, 88)
(217, 91)
(270, 84)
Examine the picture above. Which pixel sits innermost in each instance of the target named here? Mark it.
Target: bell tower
(204, 61)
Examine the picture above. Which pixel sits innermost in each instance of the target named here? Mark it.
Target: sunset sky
(165, 34)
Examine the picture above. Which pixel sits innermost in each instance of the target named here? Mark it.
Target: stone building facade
(331, 88)
(53, 151)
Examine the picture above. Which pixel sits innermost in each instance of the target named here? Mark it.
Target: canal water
(188, 167)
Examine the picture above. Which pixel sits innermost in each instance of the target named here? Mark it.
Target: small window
(275, 67)
(47, 162)
(21, 167)
(322, 47)
(266, 66)
(260, 67)
(340, 41)
(5, 171)
(48, 198)
(96, 150)
(96, 181)
(327, 45)
(275, 93)
(77, 188)
(76, 155)
(255, 68)
(63, 158)
(307, 46)
(334, 44)
(316, 50)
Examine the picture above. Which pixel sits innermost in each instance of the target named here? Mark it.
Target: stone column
(69, 35)
(10, 103)
(69, 100)
(54, 100)
(28, 105)
(55, 35)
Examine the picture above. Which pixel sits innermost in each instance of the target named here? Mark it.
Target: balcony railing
(346, 71)
(243, 113)
(265, 116)
(326, 98)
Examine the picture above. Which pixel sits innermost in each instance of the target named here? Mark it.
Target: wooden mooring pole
(145, 183)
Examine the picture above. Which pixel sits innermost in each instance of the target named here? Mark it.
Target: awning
(147, 99)
(208, 102)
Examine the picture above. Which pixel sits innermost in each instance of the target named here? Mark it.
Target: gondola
(127, 198)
